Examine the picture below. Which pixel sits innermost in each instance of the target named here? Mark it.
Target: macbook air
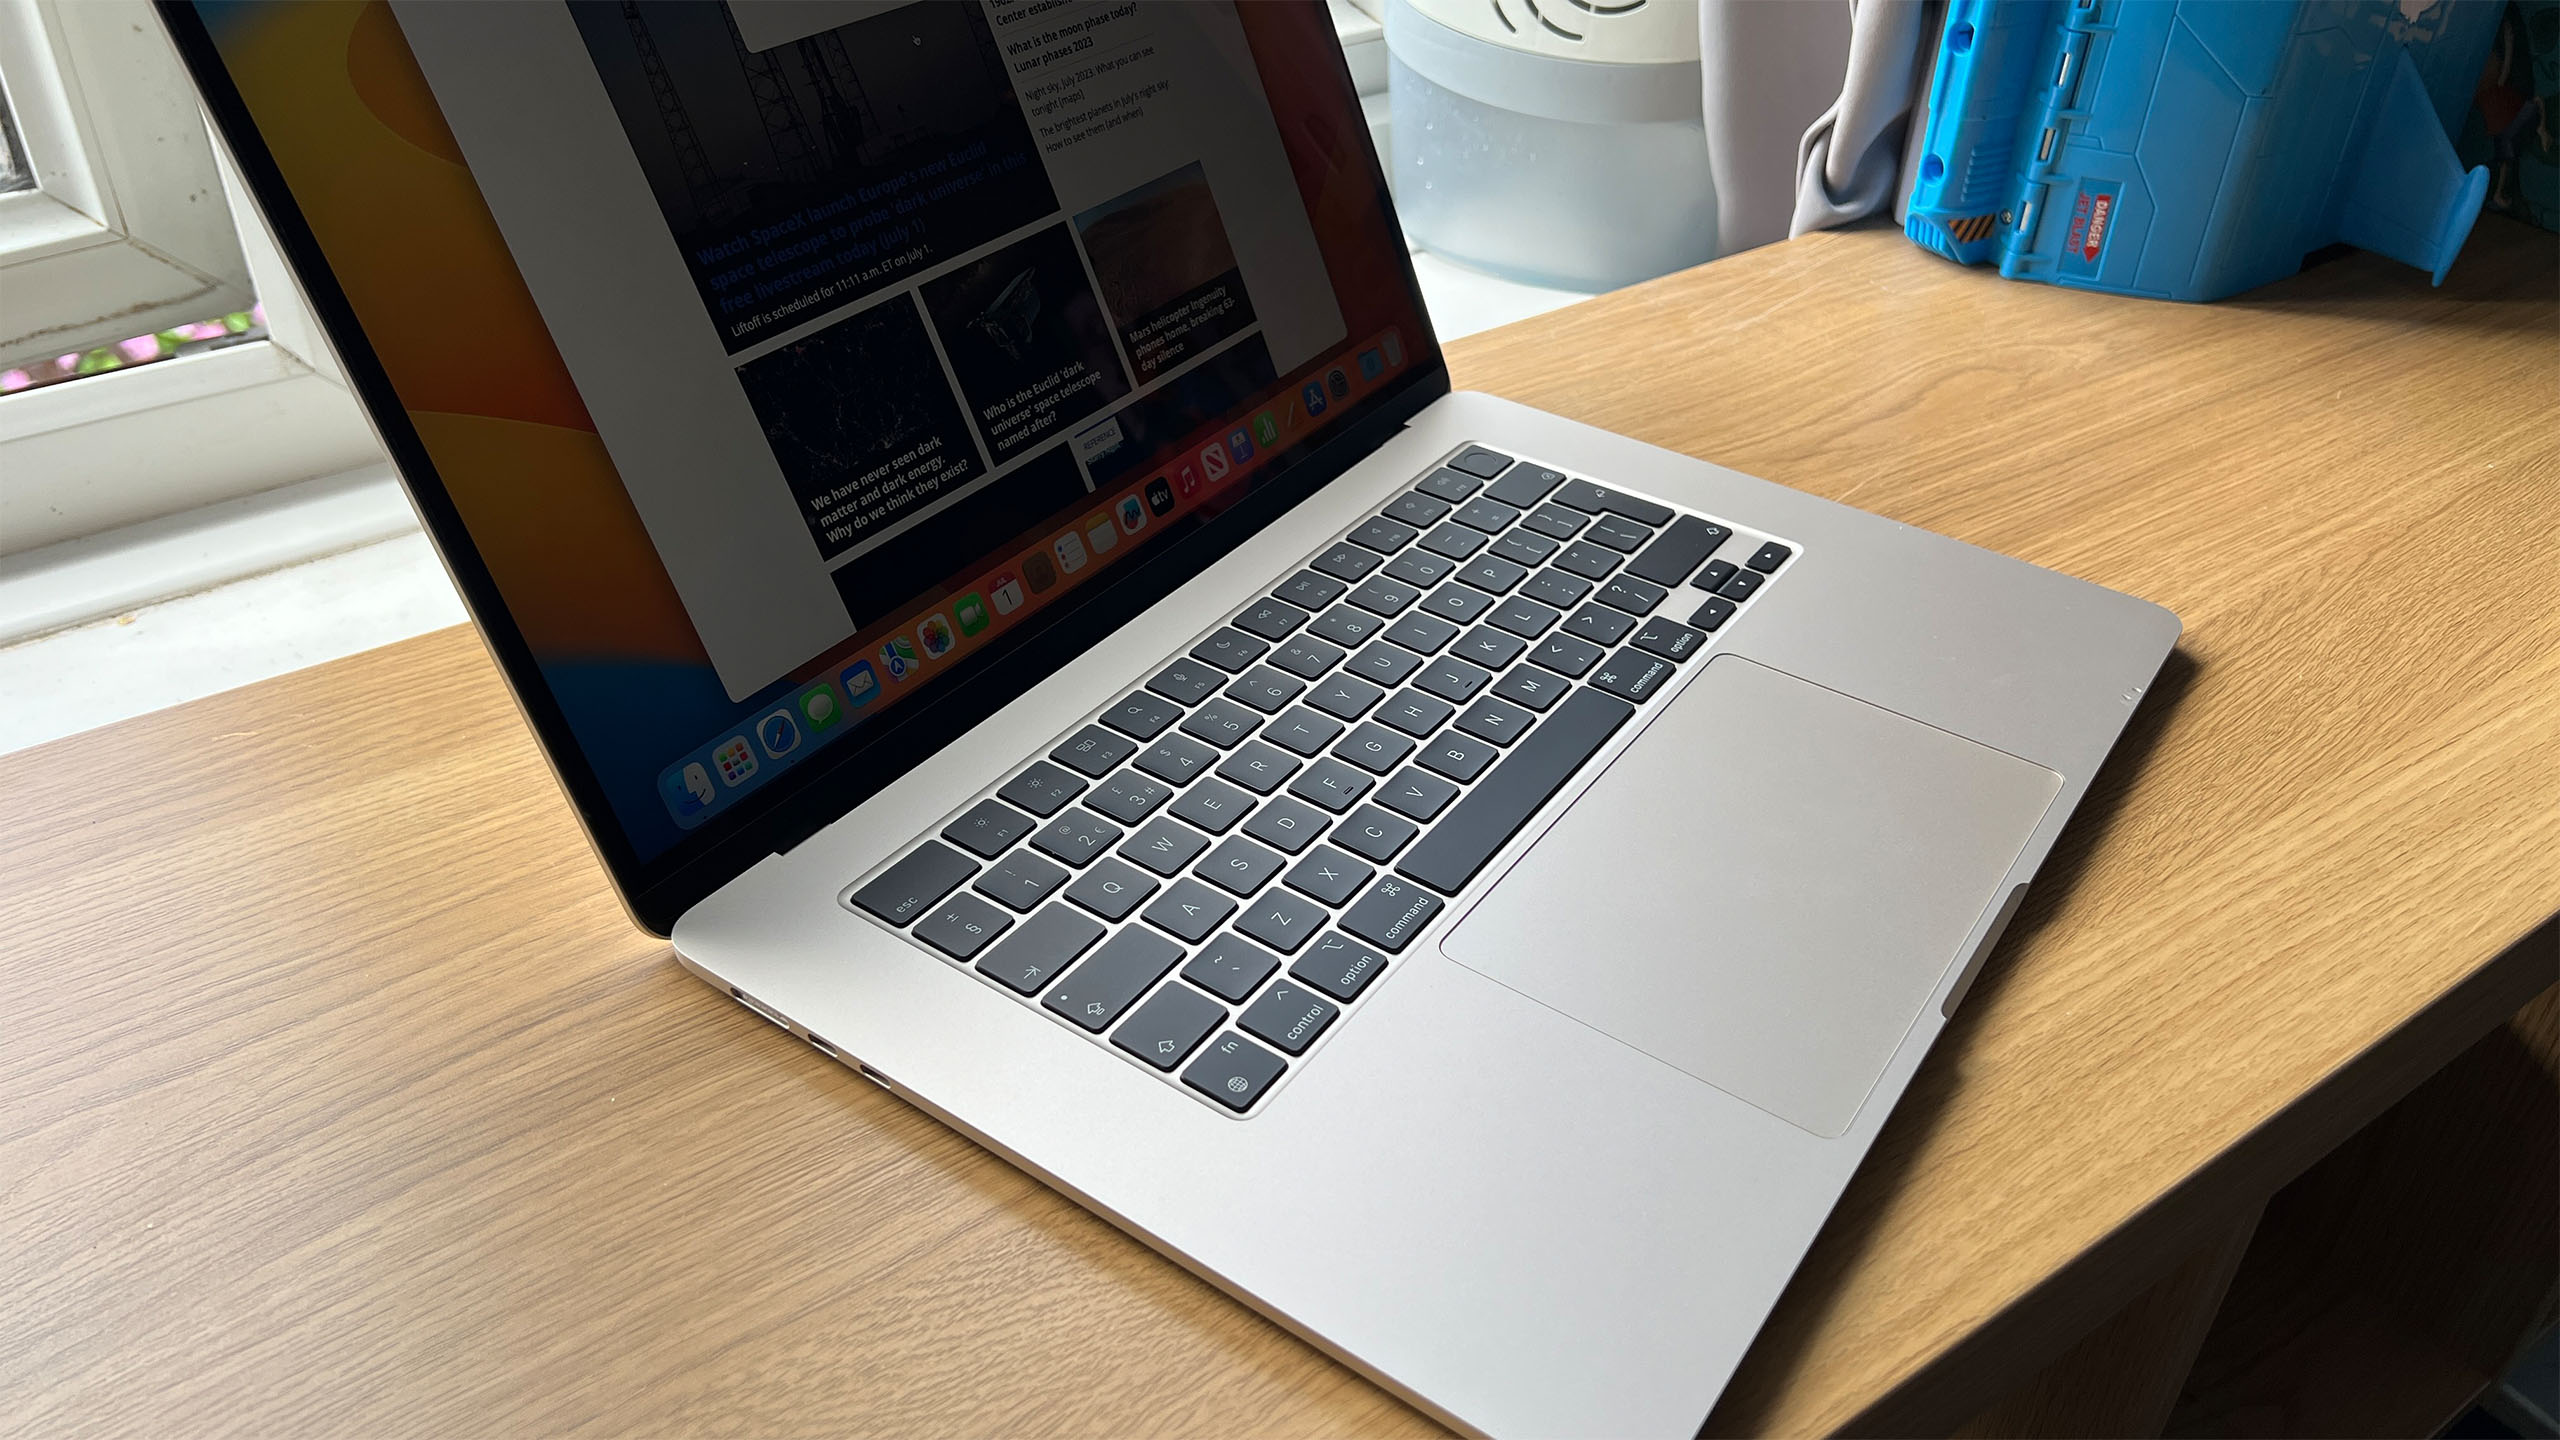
(971, 503)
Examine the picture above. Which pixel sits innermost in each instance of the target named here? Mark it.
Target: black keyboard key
(1493, 573)
(1460, 757)
(916, 883)
(1234, 1071)
(1111, 889)
(1021, 880)
(1306, 657)
(1457, 602)
(1163, 846)
(1451, 679)
(1129, 797)
(1633, 674)
(1715, 611)
(1374, 748)
(1222, 723)
(1044, 945)
(962, 926)
(1554, 587)
(1593, 499)
(988, 828)
(1392, 913)
(1257, 767)
(1669, 639)
(1453, 486)
(1743, 585)
(1302, 731)
(1498, 721)
(1190, 910)
(1076, 837)
(1769, 557)
(1231, 968)
(1415, 713)
(1554, 521)
(1345, 626)
(1169, 1026)
(1094, 750)
(1331, 784)
(1418, 510)
(1344, 695)
(1600, 625)
(1421, 569)
(1188, 681)
(1373, 834)
(1328, 875)
(1238, 865)
(1041, 789)
(1230, 649)
(1525, 484)
(1383, 535)
(1095, 992)
(1525, 617)
(1174, 759)
(1525, 547)
(1591, 562)
(1417, 795)
(1266, 689)
(1489, 647)
(1283, 921)
(1287, 825)
(1624, 536)
(1310, 591)
(1339, 966)
(1422, 634)
(1567, 654)
(1481, 463)
(1271, 619)
(1383, 663)
(1288, 1017)
(1213, 805)
(1676, 551)
(1530, 686)
(1490, 516)
(1346, 561)
(1141, 715)
(1716, 573)
(1382, 596)
(1453, 540)
(1482, 823)
(1626, 592)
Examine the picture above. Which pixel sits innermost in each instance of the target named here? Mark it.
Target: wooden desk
(336, 1096)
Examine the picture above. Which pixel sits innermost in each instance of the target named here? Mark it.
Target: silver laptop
(971, 504)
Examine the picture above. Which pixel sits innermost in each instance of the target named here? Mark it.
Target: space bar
(1457, 847)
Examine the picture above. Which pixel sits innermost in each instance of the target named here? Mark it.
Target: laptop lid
(789, 384)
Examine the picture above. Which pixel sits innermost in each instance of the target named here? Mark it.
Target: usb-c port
(875, 1077)
(819, 1044)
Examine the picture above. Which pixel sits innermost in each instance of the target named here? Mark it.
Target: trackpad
(1764, 888)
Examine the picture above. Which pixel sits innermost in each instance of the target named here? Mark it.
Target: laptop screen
(781, 358)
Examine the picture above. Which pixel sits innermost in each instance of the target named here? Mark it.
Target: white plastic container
(1556, 142)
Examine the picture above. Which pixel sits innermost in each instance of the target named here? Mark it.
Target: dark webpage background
(1300, 66)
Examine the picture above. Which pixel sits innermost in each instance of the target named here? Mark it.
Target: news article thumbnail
(862, 423)
(1026, 339)
(802, 177)
(1167, 271)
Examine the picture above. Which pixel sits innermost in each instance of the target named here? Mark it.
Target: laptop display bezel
(657, 890)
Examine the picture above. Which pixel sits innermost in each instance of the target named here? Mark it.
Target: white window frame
(136, 192)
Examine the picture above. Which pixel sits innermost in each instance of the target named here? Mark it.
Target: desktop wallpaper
(353, 127)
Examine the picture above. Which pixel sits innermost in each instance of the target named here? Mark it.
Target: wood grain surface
(338, 1097)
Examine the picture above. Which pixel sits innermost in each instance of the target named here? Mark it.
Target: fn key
(1234, 1071)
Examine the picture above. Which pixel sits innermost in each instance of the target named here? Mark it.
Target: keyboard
(1210, 874)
